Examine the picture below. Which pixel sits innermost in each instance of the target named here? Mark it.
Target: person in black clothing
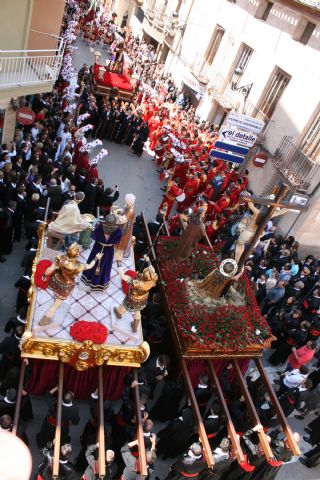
(19, 212)
(141, 137)
(269, 469)
(23, 283)
(11, 353)
(175, 438)
(107, 199)
(70, 414)
(8, 402)
(90, 191)
(192, 464)
(7, 228)
(66, 468)
(92, 469)
(18, 321)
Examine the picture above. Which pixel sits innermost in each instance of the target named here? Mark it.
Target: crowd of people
(50, 159)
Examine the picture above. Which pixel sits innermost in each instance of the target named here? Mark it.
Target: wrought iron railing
(297, 167)
(29, 67)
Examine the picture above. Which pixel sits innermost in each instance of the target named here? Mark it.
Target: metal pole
(57, 437)
(18, 402)
(102, 448)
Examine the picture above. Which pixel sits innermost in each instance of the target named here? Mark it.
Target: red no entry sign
(25, 116)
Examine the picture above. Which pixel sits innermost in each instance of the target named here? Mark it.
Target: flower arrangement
(225, 327)
(83, 330)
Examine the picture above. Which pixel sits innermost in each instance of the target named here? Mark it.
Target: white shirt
(294, 378)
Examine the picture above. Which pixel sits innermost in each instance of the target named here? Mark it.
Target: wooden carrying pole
(57, 437)
(201, 430)
(102, 448)
(231, 430)
(140, 436)
(252, 410)
(19, 396)
(277, 407)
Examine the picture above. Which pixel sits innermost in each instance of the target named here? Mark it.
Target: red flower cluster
(227, 327)
(41, 268)
(84, 330)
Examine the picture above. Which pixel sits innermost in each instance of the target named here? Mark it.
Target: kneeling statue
(137, 297)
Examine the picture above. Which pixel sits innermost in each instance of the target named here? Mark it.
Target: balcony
(221, 91)
(27, 69)
(295, 166)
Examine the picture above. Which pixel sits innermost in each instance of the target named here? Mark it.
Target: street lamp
(245, 89)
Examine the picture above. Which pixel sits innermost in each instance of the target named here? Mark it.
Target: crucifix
(259, 222)
(217, 282)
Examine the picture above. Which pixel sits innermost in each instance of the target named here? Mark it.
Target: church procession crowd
(50, 159)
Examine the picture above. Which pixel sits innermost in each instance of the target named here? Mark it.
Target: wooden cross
(273, 205)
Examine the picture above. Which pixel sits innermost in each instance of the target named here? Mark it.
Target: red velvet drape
(196, 367)
(45, 376)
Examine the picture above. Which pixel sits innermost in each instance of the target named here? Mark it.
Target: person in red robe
(173, 191)
(189, 190)
(154, 137)
(163, 145)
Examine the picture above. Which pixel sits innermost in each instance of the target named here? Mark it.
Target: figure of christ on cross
(257, 223)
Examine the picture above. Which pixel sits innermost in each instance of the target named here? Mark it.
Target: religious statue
(191, 236)
(69, 221)
(137, 297)
(128, 215)
(250, 229)
(63, 273)
(117, 62)
(215, 282)
(106, 235)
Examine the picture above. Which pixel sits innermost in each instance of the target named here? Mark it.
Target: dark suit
(10, 193)
(11, 352)
(69, 414)
(108, 200)
(18, 216)
(55, 195)
(87, 206)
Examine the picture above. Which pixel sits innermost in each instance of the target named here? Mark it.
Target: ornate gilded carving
(84, 355)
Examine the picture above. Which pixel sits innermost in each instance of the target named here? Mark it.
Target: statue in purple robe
(106, 235)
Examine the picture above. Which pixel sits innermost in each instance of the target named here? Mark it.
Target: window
(310, 144)
(264, 10)
(307, 32)
(241, 63)
(214, 44)
(275, 88)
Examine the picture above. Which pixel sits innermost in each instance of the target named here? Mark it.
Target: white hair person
(130, 199)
